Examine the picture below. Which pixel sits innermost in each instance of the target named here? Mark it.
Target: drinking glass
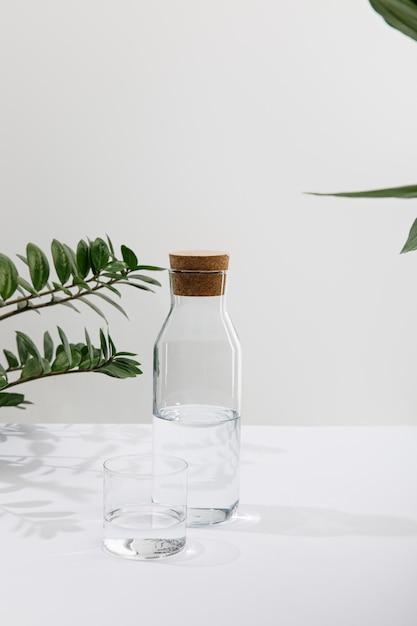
(145, 506)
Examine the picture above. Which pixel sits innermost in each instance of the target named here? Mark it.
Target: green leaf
(23, 283)
(60, 363)
(48, 346)
(59, 287)
(29, 344)
(79, 282)
(38, 266)
(129, 257)
(65, 343)
(150, 268)
(3, 372)
(72, 259)
(116, 266)
(22, 350)
(68, 304)
(411, 243)
(99, 255)
(120, 370)
(90, 347)
(400, 14)
(3, 383)
(86, 364)
(110, 245)
(22, 258)
(128, 363)
(94, 307)
(104, 347)
(112, 302)
(113, 275)
(145, 279)
(32, 368)
(137, 286)
(8, 277)
(11, 359)
(408, 191)
(111, 345)
(61, 262)
(12, 399)
(110, 287)
(83, 258)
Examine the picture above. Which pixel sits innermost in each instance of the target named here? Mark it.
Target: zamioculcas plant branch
(401, 15)
(91, 271)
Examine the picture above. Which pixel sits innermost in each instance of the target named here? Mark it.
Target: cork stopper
(198, 272)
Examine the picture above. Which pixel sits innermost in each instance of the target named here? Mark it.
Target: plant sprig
(89, 270)
(29, 363)
(402, 16)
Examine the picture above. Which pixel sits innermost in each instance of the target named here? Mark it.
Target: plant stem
(52, 302)
(78, 371)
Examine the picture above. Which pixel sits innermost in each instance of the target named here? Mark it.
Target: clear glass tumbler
(145, 506)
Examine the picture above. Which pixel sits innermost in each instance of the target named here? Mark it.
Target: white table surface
(326, 533)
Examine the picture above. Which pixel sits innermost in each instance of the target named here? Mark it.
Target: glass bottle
(197, 385)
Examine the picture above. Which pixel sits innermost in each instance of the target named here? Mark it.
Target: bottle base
(209, 517)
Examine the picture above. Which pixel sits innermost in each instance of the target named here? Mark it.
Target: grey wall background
(174, 124)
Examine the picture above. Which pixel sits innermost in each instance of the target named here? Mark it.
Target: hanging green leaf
(129, 257)
(137, 286)
(400, 14)
(8, 277)
(12, 399)
(94, 307)
(112, 302)
(411, 243)
(38, 266)
(68, 304)
(61, 262)
(83, 258)
(110, 287)
(145, 279)
(99, 254)
(407, 191)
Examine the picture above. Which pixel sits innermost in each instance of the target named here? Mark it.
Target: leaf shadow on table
(50, 474)
(317, 522)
